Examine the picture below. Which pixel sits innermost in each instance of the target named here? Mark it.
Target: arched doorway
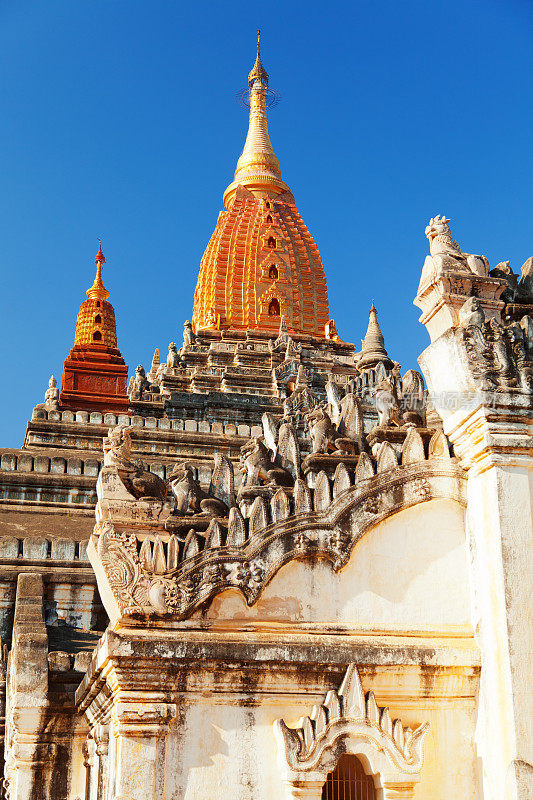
(349, 781)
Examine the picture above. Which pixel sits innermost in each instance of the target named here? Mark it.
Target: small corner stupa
(373, 345)
(94, 374)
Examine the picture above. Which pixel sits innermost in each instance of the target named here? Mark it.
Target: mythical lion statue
(446, 254)
(138, 384)
(173, 359)
(190, 497)
(321, 430)
(139, 482)
(387, 404)
(256, 465)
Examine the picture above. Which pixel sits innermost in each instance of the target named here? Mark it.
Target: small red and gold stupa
(261, 262)
(94, 374)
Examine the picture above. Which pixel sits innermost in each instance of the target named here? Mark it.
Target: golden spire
(257, 168)
(98, 290)
(258, 72)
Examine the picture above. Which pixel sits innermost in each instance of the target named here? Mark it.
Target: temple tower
(94, 374)
(261, 262)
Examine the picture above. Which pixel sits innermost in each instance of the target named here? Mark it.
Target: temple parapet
(151, 558)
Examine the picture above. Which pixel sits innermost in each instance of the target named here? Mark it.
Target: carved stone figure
(212, 318)
(321, 430)
(173, 359)
(330, 331)
(117, 448)
(302, 398)
(526, 323)
(446, 253)
(503, 270)
(471, 313)
(159, 375)
(440, 237)
(51, 396)
(387, 404)
(257, 465)
(188, 334)
(499, 356)
(138, 384)
(139, 482)
(502, 358)
(396, 378)
(190, 497)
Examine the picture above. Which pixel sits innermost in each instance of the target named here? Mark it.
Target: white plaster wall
(228, 752)
(500, 521)
(410, 571)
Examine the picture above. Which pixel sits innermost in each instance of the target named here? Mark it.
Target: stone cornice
(137, 577)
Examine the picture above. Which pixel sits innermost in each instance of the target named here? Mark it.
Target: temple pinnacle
(257, 168)
(98, 290)
(99, 256)
(373, 345)
(258, 72)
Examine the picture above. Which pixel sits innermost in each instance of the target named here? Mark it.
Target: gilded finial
(99, 256)
(257, 168)
(373, 308)
(98, 290)
(258, 72)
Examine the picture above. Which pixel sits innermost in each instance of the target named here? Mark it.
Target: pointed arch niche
(349, 723)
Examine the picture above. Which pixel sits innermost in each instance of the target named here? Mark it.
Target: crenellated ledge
(151, 571)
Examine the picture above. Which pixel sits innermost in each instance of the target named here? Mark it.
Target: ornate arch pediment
(348, 721)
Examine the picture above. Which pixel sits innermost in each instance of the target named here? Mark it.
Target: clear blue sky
(119, 120)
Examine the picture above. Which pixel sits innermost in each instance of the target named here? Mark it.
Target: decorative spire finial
(99, 256)
(258, 72)
(257, 168)
(98, 290)
(373, 308)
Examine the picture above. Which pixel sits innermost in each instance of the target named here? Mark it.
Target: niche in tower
(271, 242)
(273, 308)
(273, 273)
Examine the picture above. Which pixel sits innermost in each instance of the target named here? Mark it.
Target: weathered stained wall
(408, 573)
(222, 745)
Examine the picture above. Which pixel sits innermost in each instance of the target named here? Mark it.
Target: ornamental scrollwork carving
(154, 571)
(349, 721)
(499, 356)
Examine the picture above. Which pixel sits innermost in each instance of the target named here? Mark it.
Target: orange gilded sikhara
(261, 262)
